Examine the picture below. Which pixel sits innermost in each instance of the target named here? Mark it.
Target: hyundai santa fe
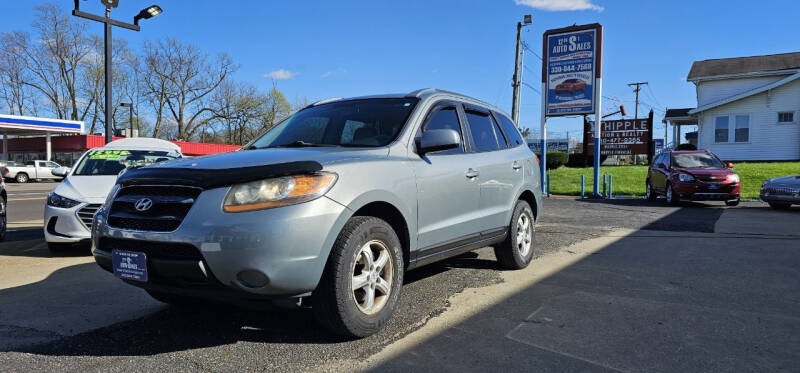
(328, 208)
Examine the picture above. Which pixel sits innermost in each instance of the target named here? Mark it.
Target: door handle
(472, 173)
(515, 165)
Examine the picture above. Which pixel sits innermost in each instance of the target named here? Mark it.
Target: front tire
(779, 206)
(672, 199)
(21, 178)
(516, 251)
(363, 279)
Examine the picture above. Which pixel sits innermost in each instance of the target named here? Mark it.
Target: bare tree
(189, 78)
(16, 95)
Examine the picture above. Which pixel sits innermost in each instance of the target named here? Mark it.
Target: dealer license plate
(713, 186)
(129, 265)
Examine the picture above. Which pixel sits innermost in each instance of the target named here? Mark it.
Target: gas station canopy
(32, 126)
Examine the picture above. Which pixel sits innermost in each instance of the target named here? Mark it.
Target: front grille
(86, 214)
(782, 191)
(153, 249)
(711, 178)
(170, 204)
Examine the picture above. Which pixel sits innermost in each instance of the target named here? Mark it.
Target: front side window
(356, 123)
(786, 117)
(446, 119)
(697, 160)
(742, 132)
(482, 131)
(111, 162)
(721, 129)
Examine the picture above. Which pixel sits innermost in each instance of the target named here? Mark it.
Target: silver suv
(330, 206)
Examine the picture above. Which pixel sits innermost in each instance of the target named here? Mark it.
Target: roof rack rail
(419, 92)
(324, 101)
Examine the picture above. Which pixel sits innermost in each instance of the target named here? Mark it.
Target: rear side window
(446, 119)
(512, 134)
(482, 131)
(501, 140)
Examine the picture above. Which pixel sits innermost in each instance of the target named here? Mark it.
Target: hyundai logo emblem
(143, 204)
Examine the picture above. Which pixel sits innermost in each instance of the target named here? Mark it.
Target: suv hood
(262, 157)
(786, 180)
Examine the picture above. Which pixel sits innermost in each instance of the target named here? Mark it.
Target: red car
(696, 175)
(571, 86)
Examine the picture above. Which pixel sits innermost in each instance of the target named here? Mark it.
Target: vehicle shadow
(29, 242)
(171, 329)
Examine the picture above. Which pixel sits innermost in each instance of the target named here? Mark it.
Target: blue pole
(583, 180)
(604, 185)
(548, 183)
(610, 186)
(543, 160)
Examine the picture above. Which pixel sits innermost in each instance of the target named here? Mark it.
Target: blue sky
(319, 49)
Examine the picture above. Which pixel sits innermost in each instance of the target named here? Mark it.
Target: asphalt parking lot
(624, 285)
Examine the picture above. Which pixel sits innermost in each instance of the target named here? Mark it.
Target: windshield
(111, 162)
(361, 123)
(697, 160)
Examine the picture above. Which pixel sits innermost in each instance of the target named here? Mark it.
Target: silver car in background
(781, 192)
(330, 206)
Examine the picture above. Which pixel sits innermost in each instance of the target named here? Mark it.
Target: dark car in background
(571, 86)
(696, 175)
(781, 192)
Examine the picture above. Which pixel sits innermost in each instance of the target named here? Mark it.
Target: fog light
(252, 278)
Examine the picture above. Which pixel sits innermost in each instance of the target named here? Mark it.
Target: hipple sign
(571, 64)
(622, 136)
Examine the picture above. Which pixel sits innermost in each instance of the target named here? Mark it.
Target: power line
(532, 87)
(525, 47)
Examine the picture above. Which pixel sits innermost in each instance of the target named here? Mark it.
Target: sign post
(572, 81)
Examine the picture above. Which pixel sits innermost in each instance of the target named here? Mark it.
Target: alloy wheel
(524, 234)
(372, 277)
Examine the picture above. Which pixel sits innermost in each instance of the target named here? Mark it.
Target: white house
(748, 108)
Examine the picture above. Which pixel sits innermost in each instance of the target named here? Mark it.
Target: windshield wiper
(302, 144)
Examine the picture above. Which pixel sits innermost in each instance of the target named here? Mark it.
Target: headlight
(56, 200)
(276, 192)
(734, 178)
(685, 177)
(111, 194)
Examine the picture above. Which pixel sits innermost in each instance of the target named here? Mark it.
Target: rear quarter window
(511, 131)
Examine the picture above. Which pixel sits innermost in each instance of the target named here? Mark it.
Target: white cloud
(556, 5)
(326, 74)
(281, 74)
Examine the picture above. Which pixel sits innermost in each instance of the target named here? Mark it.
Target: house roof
(745, 94)
(744, 65)
(678, 115)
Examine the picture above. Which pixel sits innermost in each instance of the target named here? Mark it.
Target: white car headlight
(685, 177)
(276, 192)
(734, 178)
(59, 201)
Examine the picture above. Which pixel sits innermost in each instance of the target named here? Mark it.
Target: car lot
(623, 285)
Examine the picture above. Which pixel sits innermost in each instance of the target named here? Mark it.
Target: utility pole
(638, 87)
(518, 64)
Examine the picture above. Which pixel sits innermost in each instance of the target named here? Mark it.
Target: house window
(721, 129)
(786, 117)
(742, 132)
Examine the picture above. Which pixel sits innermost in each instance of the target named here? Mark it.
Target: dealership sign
(571, 66)
(621, 137)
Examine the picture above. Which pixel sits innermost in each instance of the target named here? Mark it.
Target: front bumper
(702, 191)
(279, 251)
(792, 198)
(63, 225)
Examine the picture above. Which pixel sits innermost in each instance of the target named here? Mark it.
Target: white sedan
(71, 206)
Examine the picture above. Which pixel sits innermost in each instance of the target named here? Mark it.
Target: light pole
(145, 13)
(130, 116)
(526, 20)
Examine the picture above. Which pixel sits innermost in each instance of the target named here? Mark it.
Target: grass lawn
(629, 180)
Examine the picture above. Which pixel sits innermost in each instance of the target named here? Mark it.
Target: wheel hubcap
(524, 234)
(372, 277)
(669, 194)
(648, 191)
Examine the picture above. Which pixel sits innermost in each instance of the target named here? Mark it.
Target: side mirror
(436, 140)
(730, 165)
(61, 171)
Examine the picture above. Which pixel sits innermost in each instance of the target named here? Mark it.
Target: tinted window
(512, 134)
(369, 123)
(500, 138)
(111, 162)
(445, 119)
(482, 132)
(697, 160)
